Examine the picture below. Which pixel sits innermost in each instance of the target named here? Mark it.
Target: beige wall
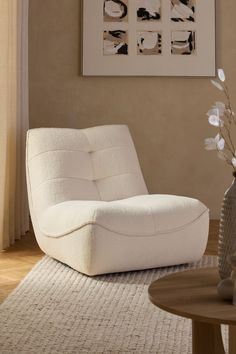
(166, 116)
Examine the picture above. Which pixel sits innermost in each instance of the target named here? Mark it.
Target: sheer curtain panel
(14, 216)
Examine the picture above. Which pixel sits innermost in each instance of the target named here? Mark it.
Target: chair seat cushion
(143, 215)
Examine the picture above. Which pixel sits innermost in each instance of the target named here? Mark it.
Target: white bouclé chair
(91, 210)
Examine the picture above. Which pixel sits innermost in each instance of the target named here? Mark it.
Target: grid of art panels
(149, 42)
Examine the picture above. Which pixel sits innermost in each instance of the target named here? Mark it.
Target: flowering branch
(222, 117)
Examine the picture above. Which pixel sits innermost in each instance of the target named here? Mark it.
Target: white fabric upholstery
(91, 210)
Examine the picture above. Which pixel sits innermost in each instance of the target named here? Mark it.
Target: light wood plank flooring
(16, 262)
(19, 259)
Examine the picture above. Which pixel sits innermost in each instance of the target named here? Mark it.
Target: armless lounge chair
(91, 210)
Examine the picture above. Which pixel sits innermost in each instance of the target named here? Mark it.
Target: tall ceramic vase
(227, 232)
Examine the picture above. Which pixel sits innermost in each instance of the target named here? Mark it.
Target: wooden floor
(19, 259)
(16, 262)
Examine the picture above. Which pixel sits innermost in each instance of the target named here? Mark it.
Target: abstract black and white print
(149, 43)
(183, 10)
(148, 10)
(183, 42)
(115, 10)
(115, 42)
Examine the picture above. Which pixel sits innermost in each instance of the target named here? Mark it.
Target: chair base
(94, 250)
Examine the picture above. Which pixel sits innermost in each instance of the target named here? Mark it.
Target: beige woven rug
(56, 310)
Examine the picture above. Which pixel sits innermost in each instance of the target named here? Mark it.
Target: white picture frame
(151, 45)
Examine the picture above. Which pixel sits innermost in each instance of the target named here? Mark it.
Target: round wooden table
(192, 294)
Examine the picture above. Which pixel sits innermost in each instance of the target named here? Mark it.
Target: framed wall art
(149, 37)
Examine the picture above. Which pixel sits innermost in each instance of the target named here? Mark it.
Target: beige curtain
(14, 216)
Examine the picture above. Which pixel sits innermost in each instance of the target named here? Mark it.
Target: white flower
(221, 155)
(233, 161)
(213, 112)
(217, 85)
(210, 144)
(214, 117)
(216, 121)
(221, 75)
(217, 110)
(221, 144)
(221, 107)
(231, 112)
(217, 143)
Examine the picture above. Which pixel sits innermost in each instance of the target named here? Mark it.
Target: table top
(193, 294)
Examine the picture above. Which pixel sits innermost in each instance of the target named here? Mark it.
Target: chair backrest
(97, 163)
